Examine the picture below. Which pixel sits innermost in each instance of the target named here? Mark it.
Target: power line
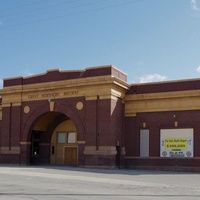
(37, 9)
(78, 13)
(93, 10)
(24, 5)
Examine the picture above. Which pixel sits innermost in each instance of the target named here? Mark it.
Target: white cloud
(26, 72)
(194, 4)
(151, 78)
(198, 69)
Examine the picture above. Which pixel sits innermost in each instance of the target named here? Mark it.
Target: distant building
(94, 118)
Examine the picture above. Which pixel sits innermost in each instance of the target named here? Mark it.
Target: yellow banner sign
(175, 144)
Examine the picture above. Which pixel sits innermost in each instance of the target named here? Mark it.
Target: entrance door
(38, 153)
(64, 145)
(71, 155)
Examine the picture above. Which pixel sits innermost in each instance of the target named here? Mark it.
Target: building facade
(94, 118)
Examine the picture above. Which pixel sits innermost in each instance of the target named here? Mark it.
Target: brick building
(94, 118)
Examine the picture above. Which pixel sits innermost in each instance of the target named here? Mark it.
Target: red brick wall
(165, 86)
(103, 122)
(117, 122)
(57, 75)
(15, 125)
(131, 138)
(155, 122)
(5, 139)
(90, 122)
(99, 123)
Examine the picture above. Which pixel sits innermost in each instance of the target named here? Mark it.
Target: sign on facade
(176, 143)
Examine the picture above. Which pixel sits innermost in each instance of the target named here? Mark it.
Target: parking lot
(58, 182)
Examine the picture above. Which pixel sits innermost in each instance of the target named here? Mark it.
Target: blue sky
(150, 40)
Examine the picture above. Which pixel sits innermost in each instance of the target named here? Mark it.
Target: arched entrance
(42, 123)
(54, 140)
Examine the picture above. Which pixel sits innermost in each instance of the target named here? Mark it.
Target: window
(71, 138)
(61, 138)
(67, 138)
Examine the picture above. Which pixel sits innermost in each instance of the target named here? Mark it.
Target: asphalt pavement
(72, 183)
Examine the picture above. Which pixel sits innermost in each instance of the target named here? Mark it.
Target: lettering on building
(52, 95)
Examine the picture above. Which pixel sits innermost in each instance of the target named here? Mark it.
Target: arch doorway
(54, 140)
